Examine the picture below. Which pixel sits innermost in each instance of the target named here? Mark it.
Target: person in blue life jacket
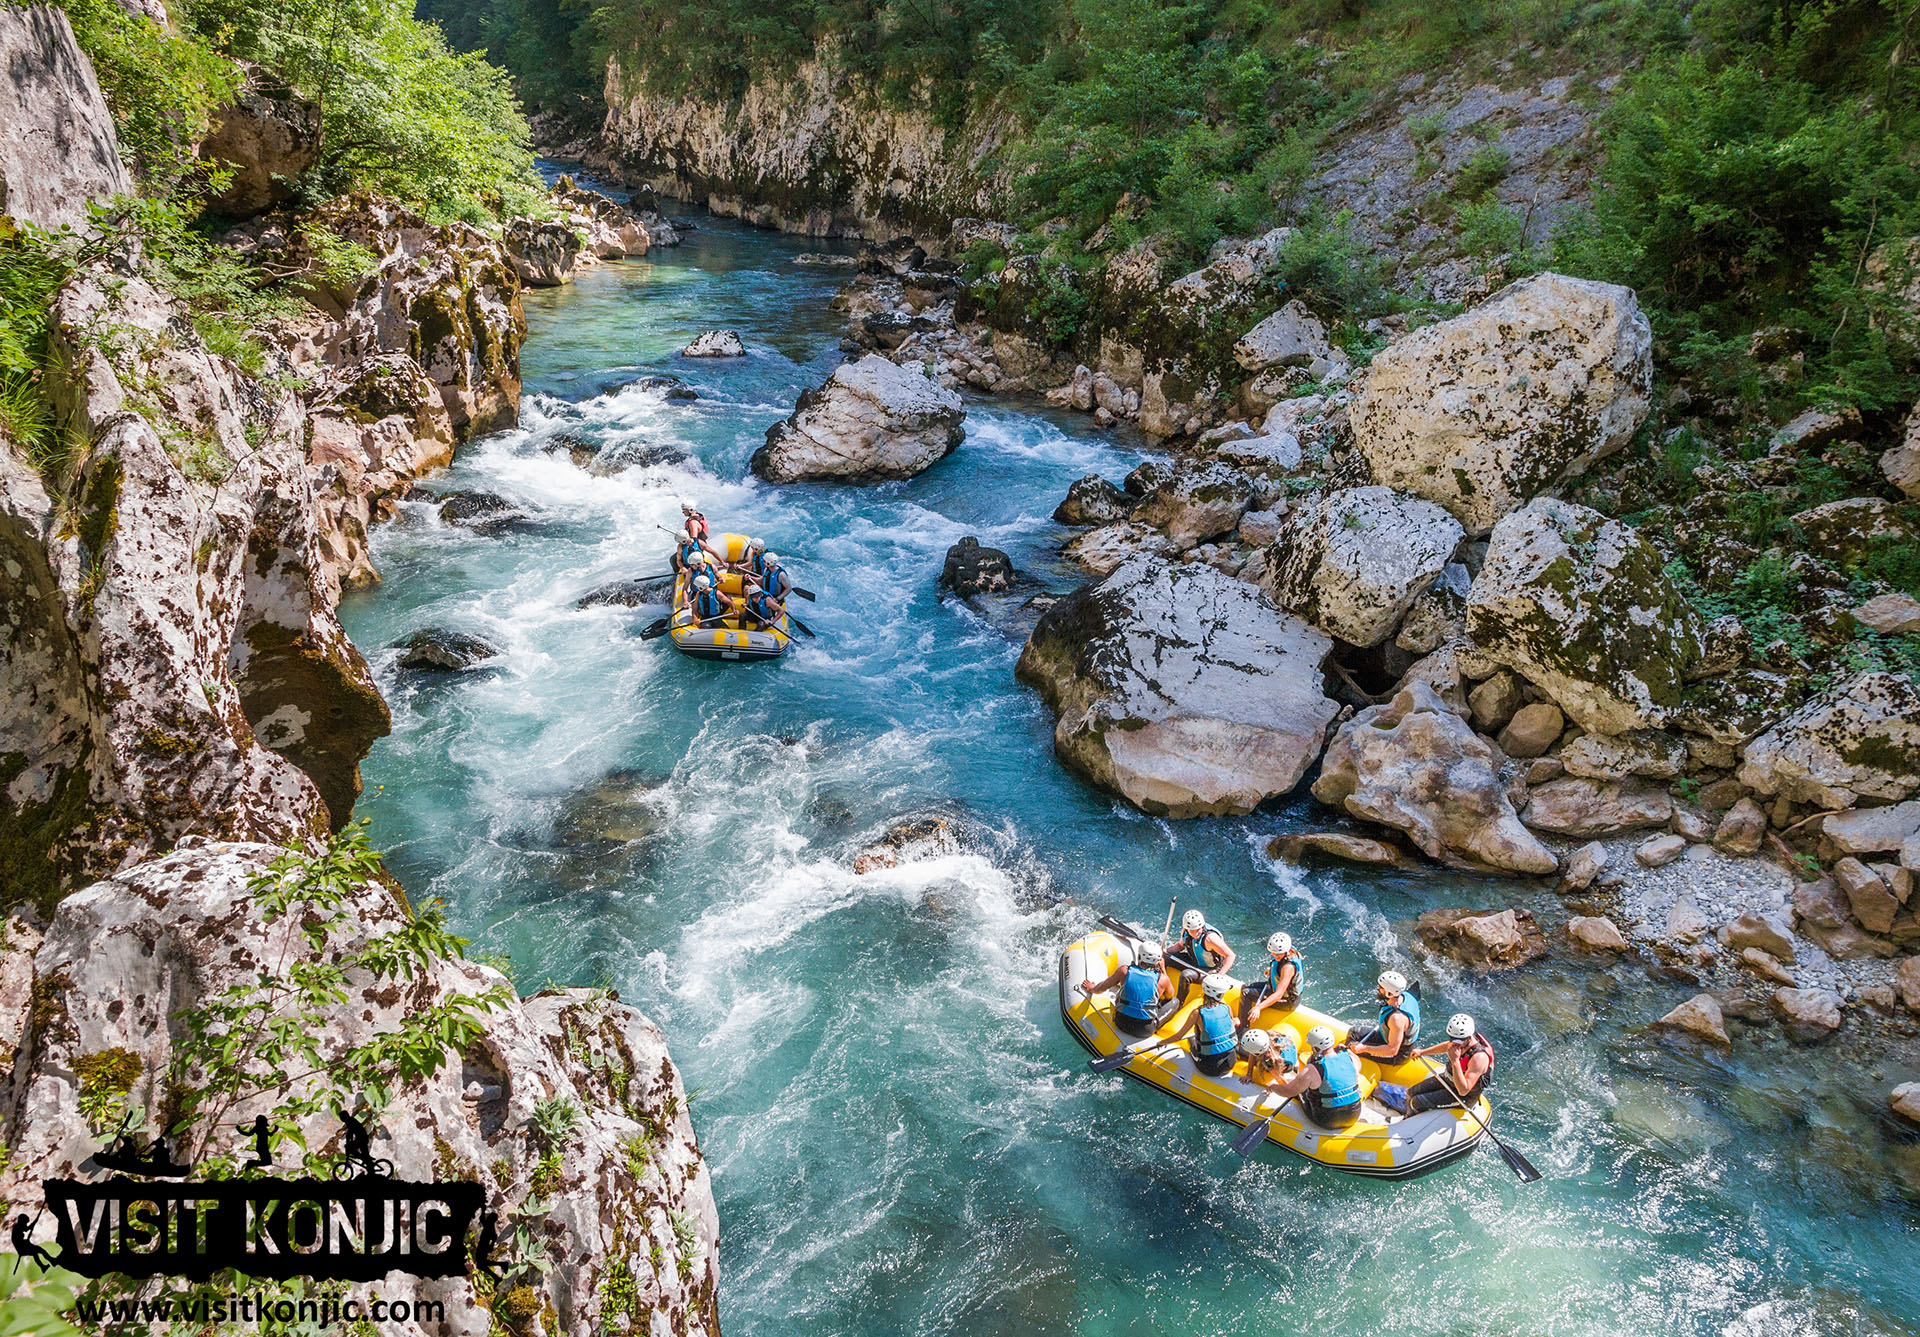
(758, 566)
(1146, 991)
(709, 602)
(1392, 1038)
(691, 552)
(1469, 1066)
(766, 600)
(1215, 1046)
(1199, 951)
(1328, 1083)
(1279, 987)
(1272, 1056)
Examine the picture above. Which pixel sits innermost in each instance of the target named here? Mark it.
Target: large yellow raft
(1381, 1145)
(725, 639)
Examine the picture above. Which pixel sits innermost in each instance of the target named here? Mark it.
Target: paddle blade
(803, 627)
(804, 594)
(1110, 1062)
(1250, 1139)
(655, 629)
(1522, 1167)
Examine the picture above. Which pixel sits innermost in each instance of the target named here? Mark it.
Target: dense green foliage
(401, 113)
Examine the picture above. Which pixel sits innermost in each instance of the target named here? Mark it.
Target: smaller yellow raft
(725, 639)
(1381, 1145)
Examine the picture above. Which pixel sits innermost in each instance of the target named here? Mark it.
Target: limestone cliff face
(811, 152)
(622, 1208)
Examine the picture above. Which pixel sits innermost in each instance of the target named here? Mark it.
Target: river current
(903, 1137)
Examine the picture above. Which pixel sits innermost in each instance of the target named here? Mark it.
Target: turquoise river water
(903, 1137)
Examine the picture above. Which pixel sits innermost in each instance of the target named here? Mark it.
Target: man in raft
(1279, 987)
(691, 553)
(1215, 1048)
(764, 608)
(1392, 1038)
(1199, 951)
(709, 602)
(1328, 1083)
(690, 518)
(1145, 991)
(1469, 1064)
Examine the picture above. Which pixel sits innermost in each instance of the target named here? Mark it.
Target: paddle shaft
(1165, 932)
(1125, 1056)
(1520, 1165)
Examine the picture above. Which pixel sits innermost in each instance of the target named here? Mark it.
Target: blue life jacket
(1216, 1029)
(762, 607)
(691, 554)
(772, 578)
(1408, 1007)
(1195, 946)
(1339, 1080)
(707, 603)
(1289, 1053)
(1138, 993)
(1273, 973)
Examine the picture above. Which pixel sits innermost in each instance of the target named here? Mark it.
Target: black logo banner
(356, 1229)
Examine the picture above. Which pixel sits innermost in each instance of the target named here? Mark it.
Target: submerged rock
(1093, 501)
(872, 419)
(715, 343)
(639, 593)
(1484, 939)
(1484, 412)
(1699, 1016)
(120, 955)
(437, 650)
(1414, 765)
(1180, 688)
(479, 511)
(670, 388)
(971, 569)
(618, 809)
(910, 841)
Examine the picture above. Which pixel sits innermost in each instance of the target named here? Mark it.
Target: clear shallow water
(903, 1137)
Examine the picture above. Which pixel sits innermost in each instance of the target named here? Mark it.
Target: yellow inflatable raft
(725, 639)
(1381, 1145)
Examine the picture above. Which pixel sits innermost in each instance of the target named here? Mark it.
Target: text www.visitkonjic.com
(238, 1308)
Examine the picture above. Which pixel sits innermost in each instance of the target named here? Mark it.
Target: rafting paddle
(654, 630)
(1520, 1165)
(803, 626)
(1255, 1133)
(1122, 930)
(1120, 1058)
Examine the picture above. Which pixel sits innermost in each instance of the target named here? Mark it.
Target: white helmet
(1255, 1042)
(755, 545)
(684, 503)
(1147, 953)
(1216, 986)
(1193, 921)
(1393, 981)
(1320, 1039)
(1279, 944)
(1460, 1027)
(702, 580)
(771, 559)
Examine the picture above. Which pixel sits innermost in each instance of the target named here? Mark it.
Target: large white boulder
(1291, 337)
(120, 958)
(58, 151)
(1197, 501)
(1483, 412)
(1180, 688)
(1858, 740)
(1580, 606)
(1353, 560)
(1416, 766)
(872, 419)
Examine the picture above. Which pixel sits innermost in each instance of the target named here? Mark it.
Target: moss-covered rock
(1858, 740)
(1581, 606)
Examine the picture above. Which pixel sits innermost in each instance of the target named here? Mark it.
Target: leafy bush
(1325, 261)
(401, 113)
(33, 265)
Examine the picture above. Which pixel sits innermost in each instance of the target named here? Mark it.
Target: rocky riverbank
(183, 704)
